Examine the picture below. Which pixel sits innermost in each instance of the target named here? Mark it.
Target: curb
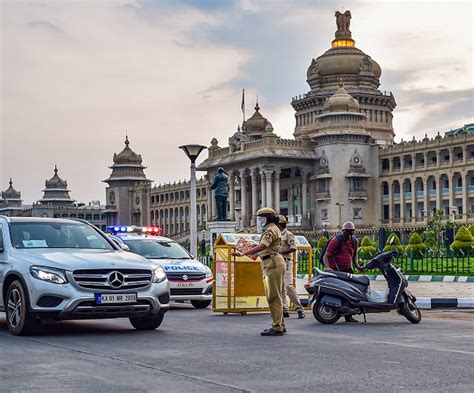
(430, 303)
(439, 303)
(426, 278)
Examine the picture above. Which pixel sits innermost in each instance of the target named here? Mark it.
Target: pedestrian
(273, 267)
(288, 248)
(341, 254)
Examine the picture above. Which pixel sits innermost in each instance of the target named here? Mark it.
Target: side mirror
(124, 247)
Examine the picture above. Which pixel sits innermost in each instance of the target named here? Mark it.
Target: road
(199, 351)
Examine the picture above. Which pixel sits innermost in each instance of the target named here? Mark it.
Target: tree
(321, 243)
(471, 229)
(416, 244)
(463, 242)
(394, 244)
(367, 248)
(434, 228)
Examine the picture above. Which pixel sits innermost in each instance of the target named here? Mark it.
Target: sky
(76, 76)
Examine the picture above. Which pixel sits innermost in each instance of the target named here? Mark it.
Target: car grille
(107, 278)
(185, 291)
(190, 276)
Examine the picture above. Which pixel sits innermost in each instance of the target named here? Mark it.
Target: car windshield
(56, 235)
(157, 249)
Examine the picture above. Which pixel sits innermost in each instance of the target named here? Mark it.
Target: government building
(342, 163)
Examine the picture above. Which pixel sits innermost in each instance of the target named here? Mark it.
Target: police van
(188, 278)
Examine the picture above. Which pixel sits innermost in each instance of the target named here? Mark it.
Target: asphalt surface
(199, 351)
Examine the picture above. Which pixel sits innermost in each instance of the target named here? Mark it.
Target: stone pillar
(425, 155)
(413, 200)
(262, 184)
(304, 197)
(465, 196)
(276, 192)
(243, 197)
(402, 200)
(231, 198)
(178, 221)
(451, 156)
(253, 177)
(268, 193)
(464, 156)
(425, 198)
(451, 193)
(438, 193)
(413, 161)
(390, 204)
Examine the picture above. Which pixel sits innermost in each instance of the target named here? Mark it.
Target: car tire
(19, 319)
(147, 323)
(201, 303)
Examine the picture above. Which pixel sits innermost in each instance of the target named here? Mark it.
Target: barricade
(238, 285)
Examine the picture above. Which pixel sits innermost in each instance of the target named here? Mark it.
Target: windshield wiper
(171, 258)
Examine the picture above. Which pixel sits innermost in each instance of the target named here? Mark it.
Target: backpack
(338, 247)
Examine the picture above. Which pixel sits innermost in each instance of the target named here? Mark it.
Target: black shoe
(284, 330)
(351, 319)
(272, 332)
(286, 314)
(301, 314)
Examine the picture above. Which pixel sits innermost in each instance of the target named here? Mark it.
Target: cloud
(76, 75)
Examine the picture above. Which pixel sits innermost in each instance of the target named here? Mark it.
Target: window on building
(285, 173)
(357, 184)
(322, 185)
(284, 195)
(204, 192)
(357, 212)
(324, 214)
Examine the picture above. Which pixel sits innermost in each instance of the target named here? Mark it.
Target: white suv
(65, 269)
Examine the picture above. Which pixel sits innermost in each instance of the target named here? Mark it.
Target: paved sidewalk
(434, 289)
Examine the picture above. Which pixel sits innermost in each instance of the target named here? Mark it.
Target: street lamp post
(340, 204)
(454, 210)
(193, 151)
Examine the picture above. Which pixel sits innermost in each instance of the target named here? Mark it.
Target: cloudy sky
(77, 75)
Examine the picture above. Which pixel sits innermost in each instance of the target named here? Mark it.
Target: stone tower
(360, 75)
(128, 189)
(56, 193)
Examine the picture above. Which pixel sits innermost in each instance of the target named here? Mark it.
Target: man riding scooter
(341, 253)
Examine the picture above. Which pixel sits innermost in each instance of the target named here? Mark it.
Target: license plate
(115, 298)
(185, 285)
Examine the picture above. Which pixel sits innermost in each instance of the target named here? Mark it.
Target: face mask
(261, 222)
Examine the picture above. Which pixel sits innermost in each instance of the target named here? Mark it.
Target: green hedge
(367, 248)
(396, 245)
(463, 242)
(416, 244)
(321, 243)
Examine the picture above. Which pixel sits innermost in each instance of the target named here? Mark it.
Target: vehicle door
(3, 261)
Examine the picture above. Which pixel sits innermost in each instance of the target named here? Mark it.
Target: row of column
(414, 199)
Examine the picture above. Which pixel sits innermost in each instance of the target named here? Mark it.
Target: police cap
(265, 210)
(282, 219)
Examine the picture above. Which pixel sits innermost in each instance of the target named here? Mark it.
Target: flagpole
(242, 106)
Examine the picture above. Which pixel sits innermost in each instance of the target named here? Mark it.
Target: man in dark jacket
(341, 254)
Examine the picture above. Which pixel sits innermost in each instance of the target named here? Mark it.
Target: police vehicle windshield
(157, 249)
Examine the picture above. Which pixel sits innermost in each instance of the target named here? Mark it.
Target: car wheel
(19, 320)
(200, 303)
(147, 323)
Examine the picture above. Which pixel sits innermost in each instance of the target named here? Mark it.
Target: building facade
(55, 203)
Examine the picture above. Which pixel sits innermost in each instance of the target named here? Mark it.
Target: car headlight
(208, 272)
(159, 274)
(55, 276)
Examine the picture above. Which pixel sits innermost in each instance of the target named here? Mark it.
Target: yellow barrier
(238, 285)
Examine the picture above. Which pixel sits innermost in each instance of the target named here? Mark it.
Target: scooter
(335, 294)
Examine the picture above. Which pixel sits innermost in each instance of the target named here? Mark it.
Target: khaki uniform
(273, 267)
(288, 241)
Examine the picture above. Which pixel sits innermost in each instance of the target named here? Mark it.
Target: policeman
(288, 247)
(273, 267)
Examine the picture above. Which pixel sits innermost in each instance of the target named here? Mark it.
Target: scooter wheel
(325, 314)
(410, 311)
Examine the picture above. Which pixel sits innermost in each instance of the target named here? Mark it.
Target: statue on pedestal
(221, 191)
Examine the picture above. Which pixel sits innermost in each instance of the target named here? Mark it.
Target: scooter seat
(358, 279)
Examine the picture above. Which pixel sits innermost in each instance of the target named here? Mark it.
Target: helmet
(220, 170)
(282, 219)
(265, 210)
(348, 225)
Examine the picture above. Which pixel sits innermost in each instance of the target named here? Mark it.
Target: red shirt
(341, 261)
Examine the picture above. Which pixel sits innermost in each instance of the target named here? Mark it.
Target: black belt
(265, 257)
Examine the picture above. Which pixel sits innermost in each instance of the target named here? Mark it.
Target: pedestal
(215, 228)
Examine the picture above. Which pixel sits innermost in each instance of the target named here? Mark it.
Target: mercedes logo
(185, 277)
(116, 279)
